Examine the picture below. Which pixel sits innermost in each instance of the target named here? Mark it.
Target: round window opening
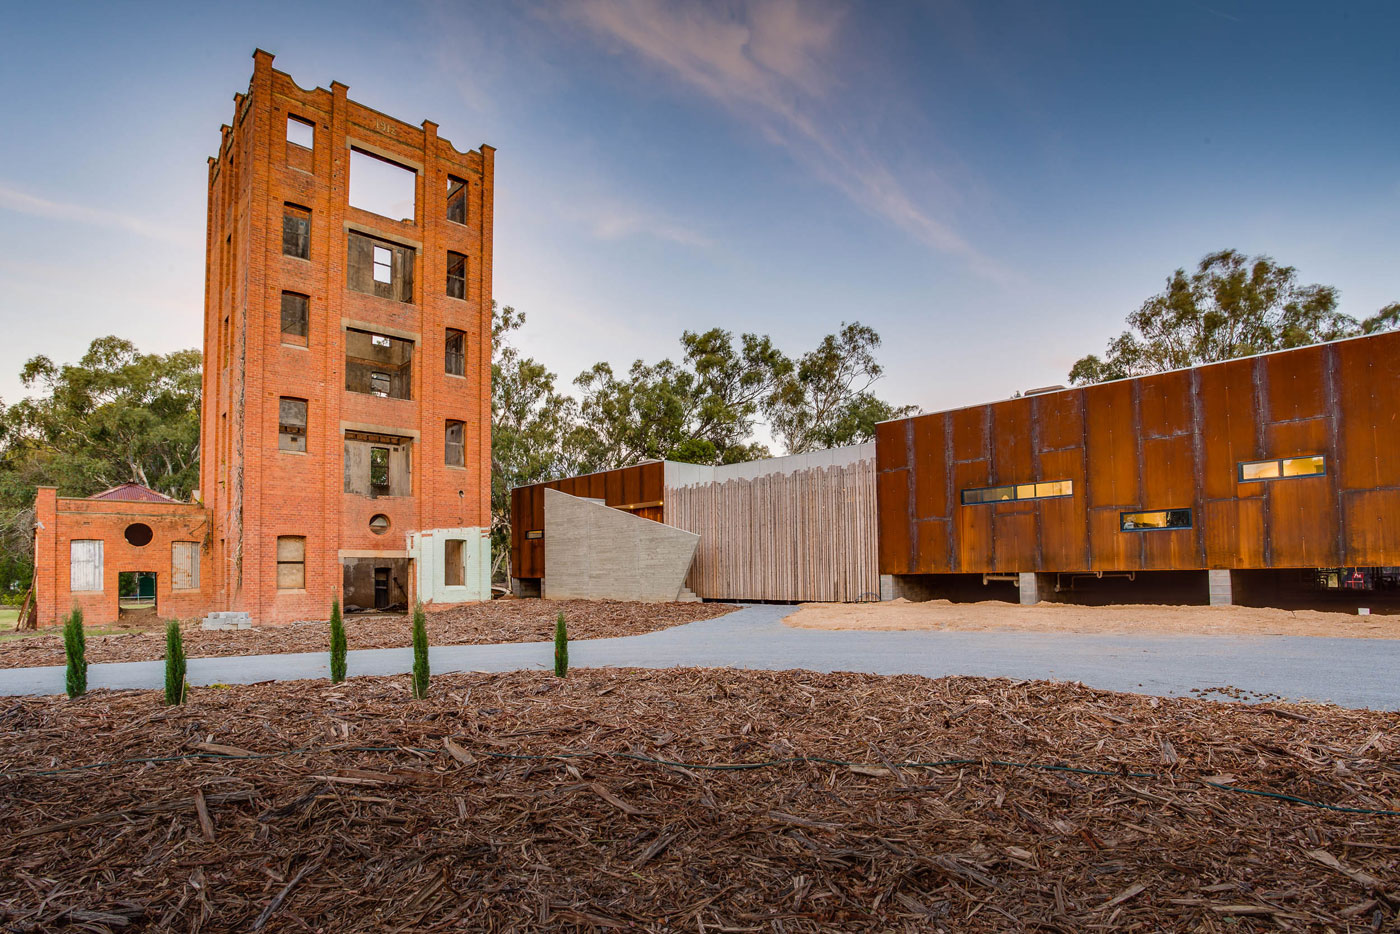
(379, 524)
(138, 534)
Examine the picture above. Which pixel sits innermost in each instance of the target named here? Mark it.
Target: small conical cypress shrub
(337, 644)
(561, 648)
(75, 651)
(420, 652)
(174, 664)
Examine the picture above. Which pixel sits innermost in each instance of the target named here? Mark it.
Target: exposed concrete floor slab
(1349, 672)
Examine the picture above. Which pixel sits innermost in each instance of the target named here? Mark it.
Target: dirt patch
(671, 800)
(474, 624)
(1060, 617)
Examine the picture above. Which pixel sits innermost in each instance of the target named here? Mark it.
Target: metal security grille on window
(1155, 519)
(1311, 465)
(1020, 491)
(383, 265)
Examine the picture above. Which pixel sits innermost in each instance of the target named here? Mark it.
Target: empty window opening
(291, 562)
(456, 275)
(455, 356)
(1019, 491)
(291, 425)
(379, 524)
(378, 364)
(85, 565)
(184, 565)
(456, 200)
(136, 593)
(296, 231)
(138, 534)
(296, 318)
(379, 267)
(1155, 519)
(454, 563)
(375, 584)
(378, 464)
(382, 187)
(455, 454)
(1312, 465)
(301, 132)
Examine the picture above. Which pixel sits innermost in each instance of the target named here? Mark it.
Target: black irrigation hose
(726, 767)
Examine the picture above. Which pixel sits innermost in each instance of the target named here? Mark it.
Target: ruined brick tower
(346, 439)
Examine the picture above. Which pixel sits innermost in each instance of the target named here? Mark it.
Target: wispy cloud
(618, 222)
(12, 199)
(774, 64)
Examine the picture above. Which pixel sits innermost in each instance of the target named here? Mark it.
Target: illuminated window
(534, 535)
(1312, 465)
(1005, 494)
(1155, 519)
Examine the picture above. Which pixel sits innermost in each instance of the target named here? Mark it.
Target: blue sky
(993, 186)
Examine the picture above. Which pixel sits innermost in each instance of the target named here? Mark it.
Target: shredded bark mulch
(474, 624)
(685, 799)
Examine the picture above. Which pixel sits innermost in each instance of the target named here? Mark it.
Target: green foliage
(1231, 306)
(420, 652)
(175, 686)
(561, 648)
(75, 652)
(337, 643)
(115, 416)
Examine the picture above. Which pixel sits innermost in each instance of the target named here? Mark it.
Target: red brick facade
(254, 491)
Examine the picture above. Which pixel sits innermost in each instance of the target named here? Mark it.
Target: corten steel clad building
(1236, 481)
(1283, 461)
(345, 437)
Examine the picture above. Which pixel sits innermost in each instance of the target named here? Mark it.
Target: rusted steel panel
(972, 525)
(1297, 384)
(1233, 533)
(1368, 373)
(891, 450)
(1112, 549)
(1064, 524)
(930, 459)
(1168, 473)
(1228, 426)
(1302, 524)
(970, 434)
(1373, 527)
(1112, 445)
(932, 543)
(1011, 441)
(1164, 402)
(1288, 439)
(1014, 542)
(1060, 420)
(893, 506)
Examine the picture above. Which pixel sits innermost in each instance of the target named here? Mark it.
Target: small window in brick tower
(456, 275)
(296, 312)
(301, 132)
(456, 200)
(291, 427)
(296, 231)
(291, 562)
(455, 357)
(455, 453)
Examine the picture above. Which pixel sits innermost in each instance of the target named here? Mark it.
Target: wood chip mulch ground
(475, 624)
(696, 800)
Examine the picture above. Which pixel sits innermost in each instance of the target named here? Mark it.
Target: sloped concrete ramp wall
(600, 553)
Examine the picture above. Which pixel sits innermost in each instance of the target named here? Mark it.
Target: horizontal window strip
(1155, 520)
(1018, 491)
(1311, 465)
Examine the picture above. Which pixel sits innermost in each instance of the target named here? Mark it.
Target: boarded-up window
(456, 275)
(291, 562)
(184, 565)
(296, 231)
(291, 425)
(455, 357)
(454, 567)
(85, 564)
(455, 454)
(379, 267)
(296, 316)
(456, 200)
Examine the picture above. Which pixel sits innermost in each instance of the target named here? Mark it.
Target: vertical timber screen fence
(809, 535)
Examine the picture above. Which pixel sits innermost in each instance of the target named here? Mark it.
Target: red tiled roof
(133, 493)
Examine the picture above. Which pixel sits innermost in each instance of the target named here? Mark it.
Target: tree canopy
(1231, 306)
